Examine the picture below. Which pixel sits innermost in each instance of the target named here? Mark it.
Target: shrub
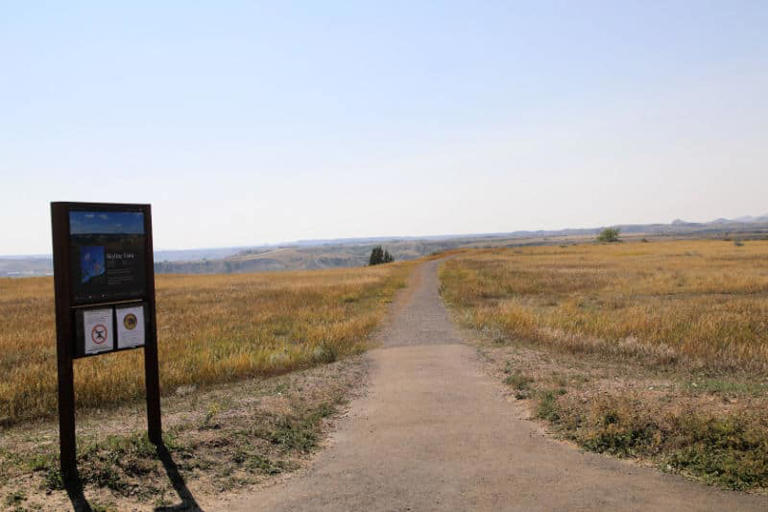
(609, 235)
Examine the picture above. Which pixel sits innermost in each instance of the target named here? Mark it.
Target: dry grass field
(703, 303)
(211, 329)
(656, 351)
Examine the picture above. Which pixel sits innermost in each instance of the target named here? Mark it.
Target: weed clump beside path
(728, 449)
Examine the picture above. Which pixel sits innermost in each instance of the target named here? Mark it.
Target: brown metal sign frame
(68, 307)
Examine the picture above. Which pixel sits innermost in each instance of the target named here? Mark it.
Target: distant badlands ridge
(348, 252)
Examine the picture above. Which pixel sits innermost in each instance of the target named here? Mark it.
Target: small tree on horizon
(609, 235)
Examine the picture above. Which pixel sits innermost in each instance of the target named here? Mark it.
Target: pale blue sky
(252, 122)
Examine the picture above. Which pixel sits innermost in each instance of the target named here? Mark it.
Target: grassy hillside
(211, 328)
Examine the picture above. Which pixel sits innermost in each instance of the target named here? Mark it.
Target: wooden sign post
(104, 280)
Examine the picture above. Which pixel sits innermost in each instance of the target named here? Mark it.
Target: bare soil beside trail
(220, 441)
(434, 432)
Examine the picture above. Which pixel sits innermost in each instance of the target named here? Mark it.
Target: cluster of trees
(379, 256)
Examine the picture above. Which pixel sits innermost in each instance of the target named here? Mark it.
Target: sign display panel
(107, 255)
(104, 282)
(97, 331)
(130, 327)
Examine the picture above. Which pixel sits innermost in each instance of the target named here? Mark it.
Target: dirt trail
(435, 433)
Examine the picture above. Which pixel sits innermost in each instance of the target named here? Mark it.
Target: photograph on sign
(130, 327)
(97, 331)
(91, 262)
(107, 255)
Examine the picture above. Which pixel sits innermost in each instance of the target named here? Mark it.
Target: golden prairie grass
(703, 303)
(211, 328)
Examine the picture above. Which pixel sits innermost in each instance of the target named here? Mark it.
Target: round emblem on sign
(130, 321)
(99, 334)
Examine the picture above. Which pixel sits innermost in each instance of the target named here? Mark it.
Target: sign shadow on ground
(74, 488)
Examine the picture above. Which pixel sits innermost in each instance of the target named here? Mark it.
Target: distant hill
(196, 254)
(351, 252)
(25, 266)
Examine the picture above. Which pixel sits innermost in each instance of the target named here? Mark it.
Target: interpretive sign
(107, 255)
(104, 281)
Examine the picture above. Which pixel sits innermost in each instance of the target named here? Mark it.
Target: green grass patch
(726, 386)
(547, 407)
(299, 431)
(730, 451)
(15, 498)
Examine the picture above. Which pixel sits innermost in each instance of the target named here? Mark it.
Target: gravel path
(435, 433)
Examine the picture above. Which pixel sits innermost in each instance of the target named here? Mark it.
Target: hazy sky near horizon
(252, 122)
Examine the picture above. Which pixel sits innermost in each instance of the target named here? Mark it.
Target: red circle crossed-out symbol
(99, 334)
